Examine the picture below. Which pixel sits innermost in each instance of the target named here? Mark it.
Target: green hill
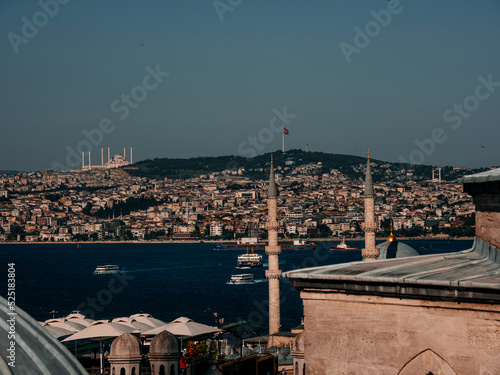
(257, 167)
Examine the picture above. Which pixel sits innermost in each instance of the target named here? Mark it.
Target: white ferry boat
(245, 278)
(250, 260)
(107, 269)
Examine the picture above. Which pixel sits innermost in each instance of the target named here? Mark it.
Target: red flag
(285, 131)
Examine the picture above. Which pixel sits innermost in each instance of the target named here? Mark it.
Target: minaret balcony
(273, 250)
(272, 274)
(273, 225)
(370, 227)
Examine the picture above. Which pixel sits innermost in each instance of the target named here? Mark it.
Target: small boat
(107, 269)
(219, 247)
(426, 247)
(343, 246)
(244, 278)
(298, 245)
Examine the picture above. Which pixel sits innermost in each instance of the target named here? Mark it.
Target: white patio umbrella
(131, 322)
(65, 324)
(80, 319)
(100, 330)
(58, 332)
(148, 319)
(183, 327)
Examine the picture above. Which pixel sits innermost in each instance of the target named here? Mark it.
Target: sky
(414, 81)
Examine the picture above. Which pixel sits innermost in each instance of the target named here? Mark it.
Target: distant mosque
(117, 161)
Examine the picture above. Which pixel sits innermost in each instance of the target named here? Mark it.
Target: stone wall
(488, 227)
(357, 335)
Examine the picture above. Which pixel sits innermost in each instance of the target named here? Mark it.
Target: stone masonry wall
(357, 335)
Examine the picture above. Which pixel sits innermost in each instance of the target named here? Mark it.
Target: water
(164, 280)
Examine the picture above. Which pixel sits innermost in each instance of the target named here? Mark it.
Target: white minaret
(102, 155)
(89, 161)
(109, 154)
(83, 161)
(131, 155)
(273, 273)
(370, 252)
(124, 153)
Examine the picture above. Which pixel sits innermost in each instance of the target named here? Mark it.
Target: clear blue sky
(226, 77)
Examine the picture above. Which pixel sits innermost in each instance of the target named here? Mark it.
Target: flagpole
(283, 139)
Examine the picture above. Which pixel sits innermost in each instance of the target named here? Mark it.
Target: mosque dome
(395, 249)
(298, 343)
(125, 346)
(37, 351)
(164, 343)
(392, 248)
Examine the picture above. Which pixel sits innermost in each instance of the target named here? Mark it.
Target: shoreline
(333, 239)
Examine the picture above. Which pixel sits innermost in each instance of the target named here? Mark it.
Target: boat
(250, 260)
(107, 269)
(244, 278)
(343, 246)
(426, 247)
(298, 245)
(249, 243)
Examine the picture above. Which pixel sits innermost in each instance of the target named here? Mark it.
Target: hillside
(257, 167)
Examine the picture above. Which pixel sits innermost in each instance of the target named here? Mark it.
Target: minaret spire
(370, 252)
(273, 273)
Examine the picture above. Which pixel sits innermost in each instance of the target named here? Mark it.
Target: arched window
(113, 372)
(172, 369)
(296, 368)
(304, 369)
(133, 371)
(162, 370)
(122, 371)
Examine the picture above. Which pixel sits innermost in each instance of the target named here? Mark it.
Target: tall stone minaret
(273, 273)
(370, 252)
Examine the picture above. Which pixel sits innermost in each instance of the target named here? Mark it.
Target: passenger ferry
(250, 260)
(244, 278)
(107, 269)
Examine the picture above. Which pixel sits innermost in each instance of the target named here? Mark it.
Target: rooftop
(488, 176)
(472, 275)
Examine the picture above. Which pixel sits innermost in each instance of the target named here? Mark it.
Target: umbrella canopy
(148, 319)
(131, 322)
(184, 327)
(80, 319)
(64, 324)
(58, 332)
(100, 330)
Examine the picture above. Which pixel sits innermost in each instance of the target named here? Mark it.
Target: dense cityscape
(110, 204)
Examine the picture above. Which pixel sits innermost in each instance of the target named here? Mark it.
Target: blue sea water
(163, 279)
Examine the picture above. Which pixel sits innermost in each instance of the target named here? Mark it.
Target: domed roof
(164, 343)
(126, 345)
(298, 343)
(395, 249)
(38, 351)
